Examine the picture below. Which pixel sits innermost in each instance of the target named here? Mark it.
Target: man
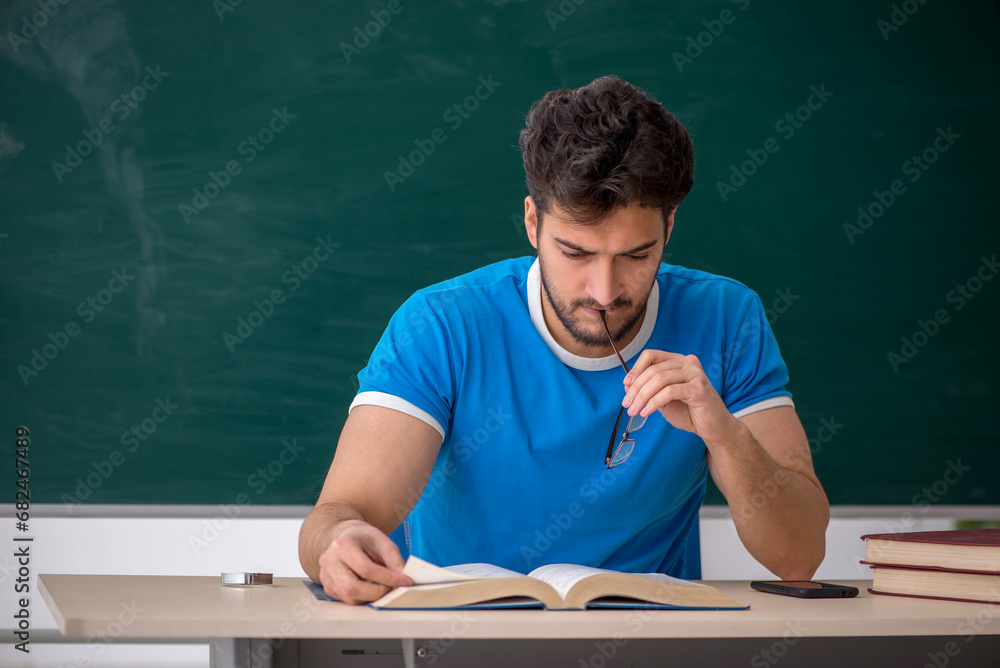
(501, 387)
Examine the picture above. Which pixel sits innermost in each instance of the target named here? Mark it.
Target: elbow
(803, 560)
(796, 572)
(802, 564)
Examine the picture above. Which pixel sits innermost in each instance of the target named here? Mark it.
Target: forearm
(780, 514)
(321, 526)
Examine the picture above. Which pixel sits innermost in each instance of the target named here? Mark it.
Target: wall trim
(299, 512)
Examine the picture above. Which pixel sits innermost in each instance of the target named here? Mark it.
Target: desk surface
(200, 607)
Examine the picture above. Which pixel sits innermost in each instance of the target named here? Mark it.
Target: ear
(670, 225)
(531, 220)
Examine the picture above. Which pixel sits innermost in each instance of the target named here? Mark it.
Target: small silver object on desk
(244, 579)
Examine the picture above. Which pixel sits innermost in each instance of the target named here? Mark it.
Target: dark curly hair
(604, 146)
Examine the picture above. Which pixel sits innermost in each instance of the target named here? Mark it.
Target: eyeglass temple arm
(611, 443)
(614, 433)
(604, 321)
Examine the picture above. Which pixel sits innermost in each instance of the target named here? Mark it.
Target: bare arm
(383, 461)
(780, 510)
(760, 462)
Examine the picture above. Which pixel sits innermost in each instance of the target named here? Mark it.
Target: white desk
(283, 625)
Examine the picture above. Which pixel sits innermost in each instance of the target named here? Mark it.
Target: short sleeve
(754, 370)
(414, 361)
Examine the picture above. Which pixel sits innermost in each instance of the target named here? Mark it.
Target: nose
(603, 285)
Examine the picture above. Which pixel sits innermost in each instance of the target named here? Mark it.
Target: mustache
(618, 303)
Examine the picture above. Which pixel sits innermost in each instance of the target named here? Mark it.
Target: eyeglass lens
(626, 444)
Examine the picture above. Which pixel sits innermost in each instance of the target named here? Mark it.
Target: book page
(563, 577)
(423, 572)
(484, 571)
(662, 577)
(467, 585)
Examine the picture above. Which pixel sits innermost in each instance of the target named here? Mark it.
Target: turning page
(423, 572)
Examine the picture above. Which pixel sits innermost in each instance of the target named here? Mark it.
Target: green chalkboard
(210, 210)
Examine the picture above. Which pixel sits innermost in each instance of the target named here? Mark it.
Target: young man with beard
(500, 387)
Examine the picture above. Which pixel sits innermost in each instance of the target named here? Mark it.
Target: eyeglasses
(617, 455)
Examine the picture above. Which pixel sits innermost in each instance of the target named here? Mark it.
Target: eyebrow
(638, 249)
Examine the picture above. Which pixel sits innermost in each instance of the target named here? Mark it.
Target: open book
(556, 587)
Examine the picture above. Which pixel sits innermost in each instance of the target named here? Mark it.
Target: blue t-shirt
(520, 479)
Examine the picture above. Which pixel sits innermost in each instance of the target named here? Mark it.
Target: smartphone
(805, 588)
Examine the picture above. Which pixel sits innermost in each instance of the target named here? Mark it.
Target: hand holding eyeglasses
(675, 385)
(617, 455)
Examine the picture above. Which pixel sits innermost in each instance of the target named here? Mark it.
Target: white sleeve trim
(386, 400)
(773, 402)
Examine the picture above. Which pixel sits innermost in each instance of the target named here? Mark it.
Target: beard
(582, 335)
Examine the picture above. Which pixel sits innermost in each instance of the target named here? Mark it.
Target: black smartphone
(805, 588)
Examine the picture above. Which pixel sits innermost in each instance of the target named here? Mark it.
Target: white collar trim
(588, 363)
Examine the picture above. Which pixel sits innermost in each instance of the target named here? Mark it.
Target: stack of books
(959, 565)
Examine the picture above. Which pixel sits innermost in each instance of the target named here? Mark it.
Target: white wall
(193, 546)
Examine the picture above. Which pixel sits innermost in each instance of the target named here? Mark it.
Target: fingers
(647, 359)
(368, 561)
(682, 391)
(676, 385)
(343, 584)
(388, 553)
(641, 394)
(361, 565)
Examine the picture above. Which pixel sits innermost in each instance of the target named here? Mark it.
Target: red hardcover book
(935, 583)
(969, 550)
